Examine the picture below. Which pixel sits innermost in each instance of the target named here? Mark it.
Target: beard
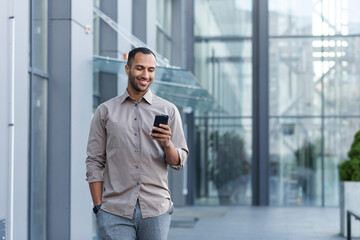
(134, 86)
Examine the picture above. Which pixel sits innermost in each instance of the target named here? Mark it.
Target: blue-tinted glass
(295, 77)
(223, 167)
(40, 35)
(38, 160)
(308, 17)
(295, 162)
(340, 62)
(223, 18)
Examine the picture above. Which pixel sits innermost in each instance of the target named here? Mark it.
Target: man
(127, 163)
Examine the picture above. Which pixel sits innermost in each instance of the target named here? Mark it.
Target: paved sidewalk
(255, 223)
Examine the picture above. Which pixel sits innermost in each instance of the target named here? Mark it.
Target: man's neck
(136, 95)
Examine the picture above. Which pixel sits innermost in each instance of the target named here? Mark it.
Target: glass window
(304, 17)
(38, 162)
(39, 35)
(313, 88)
(295, 162)
(223, 18)
(163, 28)
(340, 63)
(223, 66)
(223, 167)
(295, 77)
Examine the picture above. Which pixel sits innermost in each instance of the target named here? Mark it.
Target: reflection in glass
(341, 76)
(308, 17)
(39, 35)
(223, 66)
(38, 160)
(313, 86)
(225, 70)
(223, 171)
(295, 78)
(163, 28)
(223, 18)
(295, 162)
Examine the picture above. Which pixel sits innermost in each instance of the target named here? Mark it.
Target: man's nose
(145, 74)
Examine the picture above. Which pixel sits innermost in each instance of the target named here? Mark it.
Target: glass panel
(225, 71)
(341, 76)
(164, 15)
(38, 161)
(295, 162)
(163, 31)
(352, 7)
(223, 17)
(295, 77)
(304, 17)
(176, 85)
(40, 34)
(223, 66)
(223, 169)
(338, 137)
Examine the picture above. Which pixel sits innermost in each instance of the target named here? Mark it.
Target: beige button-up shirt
(123, 155)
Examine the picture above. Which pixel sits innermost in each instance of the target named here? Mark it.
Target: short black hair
(133, 52)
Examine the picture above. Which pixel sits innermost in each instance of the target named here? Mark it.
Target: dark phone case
(160, 119)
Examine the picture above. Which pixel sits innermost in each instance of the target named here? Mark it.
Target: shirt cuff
(183, 156)
(95, 176)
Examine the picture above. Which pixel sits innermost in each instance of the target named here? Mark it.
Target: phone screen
(160, 119)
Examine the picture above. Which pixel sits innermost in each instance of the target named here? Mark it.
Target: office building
(268, 92)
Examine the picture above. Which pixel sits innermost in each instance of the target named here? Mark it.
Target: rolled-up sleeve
(178, 140)
(96, 148)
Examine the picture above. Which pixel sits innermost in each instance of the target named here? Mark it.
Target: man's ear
(127, 69)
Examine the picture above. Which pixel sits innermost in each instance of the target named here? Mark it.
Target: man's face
(141, 72)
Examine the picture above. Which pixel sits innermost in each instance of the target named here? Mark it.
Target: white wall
(4, 109)
(81, 112)
(21, 133)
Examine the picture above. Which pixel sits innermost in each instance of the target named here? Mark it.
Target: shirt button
(137, 183)
(137, 166)
(136, 150)
(136, 104)
(135, 134)
(135, 119)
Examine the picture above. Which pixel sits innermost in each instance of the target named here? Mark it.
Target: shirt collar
(148, 96)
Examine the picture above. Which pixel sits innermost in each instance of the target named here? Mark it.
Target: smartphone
(160, 119)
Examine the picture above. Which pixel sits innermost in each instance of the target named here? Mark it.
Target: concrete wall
(81, 112)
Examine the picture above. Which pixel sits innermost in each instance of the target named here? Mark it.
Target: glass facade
(223, 65)
(38, 120)
(38, 158)
(39, 34)
(313, 100)
(163, 28)
(313, 96)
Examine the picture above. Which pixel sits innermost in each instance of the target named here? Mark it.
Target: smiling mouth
(143, 82)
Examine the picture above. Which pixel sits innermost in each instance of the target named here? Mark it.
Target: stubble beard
(132, 81)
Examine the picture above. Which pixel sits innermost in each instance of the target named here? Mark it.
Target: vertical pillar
(260, 161)
(59, 127)
(69, 115)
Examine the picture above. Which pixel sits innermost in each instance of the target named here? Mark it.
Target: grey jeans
(113, 227)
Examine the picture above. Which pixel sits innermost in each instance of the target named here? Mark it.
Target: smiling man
(127, 162)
